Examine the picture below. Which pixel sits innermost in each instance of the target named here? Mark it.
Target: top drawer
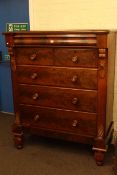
(34, 56)
(73, 57)
(76, 57)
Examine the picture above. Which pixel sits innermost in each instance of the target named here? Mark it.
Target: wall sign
(15, 27)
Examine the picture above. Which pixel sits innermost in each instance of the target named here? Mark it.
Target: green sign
(16, 27)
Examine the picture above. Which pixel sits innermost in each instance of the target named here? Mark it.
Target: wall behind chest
(74, 15)
(10, 11)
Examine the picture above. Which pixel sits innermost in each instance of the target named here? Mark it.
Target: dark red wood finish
(60, 86)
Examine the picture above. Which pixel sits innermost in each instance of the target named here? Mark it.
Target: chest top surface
(88, 38)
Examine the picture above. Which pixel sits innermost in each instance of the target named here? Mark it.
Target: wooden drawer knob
(36, 117)
(34, 76)
(35, 96)
(75, 59)
(33, 56)
(74, 78)
(74, 123)
(74, 101)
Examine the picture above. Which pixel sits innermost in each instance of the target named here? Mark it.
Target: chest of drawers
(63, 86)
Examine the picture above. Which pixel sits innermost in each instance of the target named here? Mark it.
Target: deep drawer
(63, 98)
(54, 76)
(63, 120)
(73, 57)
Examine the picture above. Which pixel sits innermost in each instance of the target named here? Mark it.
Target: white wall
(74, 15)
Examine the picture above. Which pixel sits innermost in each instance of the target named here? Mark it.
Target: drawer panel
(59, 57)
(54, 76)
(63, 120)
(34, 56)
(65, 98)
(76, 57)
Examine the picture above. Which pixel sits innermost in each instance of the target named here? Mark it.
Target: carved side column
(100, 145)
(17, 128)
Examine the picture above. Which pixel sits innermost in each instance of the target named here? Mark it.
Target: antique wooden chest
(63, 85)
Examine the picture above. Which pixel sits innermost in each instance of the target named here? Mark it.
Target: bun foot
(18, 141)
(99, 157)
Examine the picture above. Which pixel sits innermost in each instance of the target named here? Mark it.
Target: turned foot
(99, 157)
(18, 141)
(18, 136)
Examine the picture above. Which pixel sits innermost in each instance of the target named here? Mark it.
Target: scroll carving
(102, 63)
(100, 132)
(102, 68)
(102, 53)
(13, 65)
(10, 50)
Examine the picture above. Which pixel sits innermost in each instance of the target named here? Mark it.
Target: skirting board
(10, 113)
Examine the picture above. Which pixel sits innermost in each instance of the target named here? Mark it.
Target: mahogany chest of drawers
(63, 85)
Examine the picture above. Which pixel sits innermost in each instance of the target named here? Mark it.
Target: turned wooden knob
(74, 59)
(74, 78)
(34, 76)
(74, 101)
(36, 117)
(74, 123)
(33, 56)
(35, 96)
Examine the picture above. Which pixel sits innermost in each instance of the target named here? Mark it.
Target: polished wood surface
(81, 78)
(58, 119)
(60, 86)
(62, 57)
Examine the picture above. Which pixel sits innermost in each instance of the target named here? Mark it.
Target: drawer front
(58, 57)
(76, 57)
(54, 76)
(34, 56)
(63, 120)
(65, 98)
